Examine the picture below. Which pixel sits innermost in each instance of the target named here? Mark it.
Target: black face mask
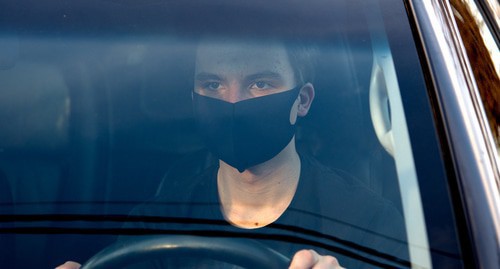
(248, 132)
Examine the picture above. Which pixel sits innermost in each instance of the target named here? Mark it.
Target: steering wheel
(242, 252)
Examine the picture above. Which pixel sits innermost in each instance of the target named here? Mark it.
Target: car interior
(92, 125)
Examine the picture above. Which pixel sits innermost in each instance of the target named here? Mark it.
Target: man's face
(235, 71)
(239, 128)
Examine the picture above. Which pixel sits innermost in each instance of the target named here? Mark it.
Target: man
(247, 99)
(259, 169)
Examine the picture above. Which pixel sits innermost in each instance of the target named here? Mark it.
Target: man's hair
(303, 61)
(302, 56)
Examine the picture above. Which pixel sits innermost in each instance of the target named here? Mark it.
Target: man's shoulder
(189, 174)
(352, 210)
(316, 173)
(344, 194)
(176, 194)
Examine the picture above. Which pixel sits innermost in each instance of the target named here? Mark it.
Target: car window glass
(119, 126)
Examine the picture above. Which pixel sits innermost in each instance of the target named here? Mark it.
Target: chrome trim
(456, 90)
(494, 10)
(474, 94)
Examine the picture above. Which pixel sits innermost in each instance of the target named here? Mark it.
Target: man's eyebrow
(264, 74)
(206, 76)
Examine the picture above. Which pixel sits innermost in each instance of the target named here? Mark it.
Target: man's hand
(307, 259)
(69, 265)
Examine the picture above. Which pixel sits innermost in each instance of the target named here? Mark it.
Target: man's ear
(306, 97)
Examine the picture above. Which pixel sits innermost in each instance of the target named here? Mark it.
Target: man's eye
(261, 85)
(212, 86)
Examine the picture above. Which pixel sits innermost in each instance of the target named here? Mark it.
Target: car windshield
(296, 125)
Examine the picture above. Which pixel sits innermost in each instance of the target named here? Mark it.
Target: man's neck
(260, 194)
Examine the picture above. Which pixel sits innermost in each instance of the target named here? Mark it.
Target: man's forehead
(241, 53)
(240, 49)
